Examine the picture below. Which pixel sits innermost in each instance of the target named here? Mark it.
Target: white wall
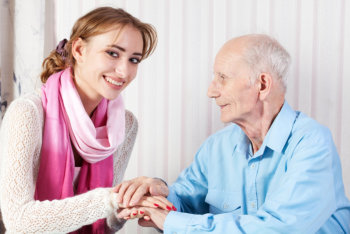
(169, 93)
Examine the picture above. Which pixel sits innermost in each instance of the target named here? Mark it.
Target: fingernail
(174, 208)
(141, 212)
(135, 213)
(156, 204)
(126, 217)
(168, 207)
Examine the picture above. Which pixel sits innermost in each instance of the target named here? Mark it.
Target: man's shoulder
(307, 126)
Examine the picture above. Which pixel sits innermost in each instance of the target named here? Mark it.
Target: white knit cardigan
(20, 145)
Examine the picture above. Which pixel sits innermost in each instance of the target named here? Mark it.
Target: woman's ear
(265, 83)
(78, 50)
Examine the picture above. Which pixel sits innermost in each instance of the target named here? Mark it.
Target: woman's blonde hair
(94, 23)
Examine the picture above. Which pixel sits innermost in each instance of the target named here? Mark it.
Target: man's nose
(213, 91)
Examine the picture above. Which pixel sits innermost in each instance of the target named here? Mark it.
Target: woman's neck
(89, 98)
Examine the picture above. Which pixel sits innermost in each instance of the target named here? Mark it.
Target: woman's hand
(131, 191)
(148, 217)
(152, 202)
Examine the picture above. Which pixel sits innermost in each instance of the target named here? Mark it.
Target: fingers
(116, 188)
(133, 189)
(146, 222)
(157, 216)
(152, 217)
(165, 202)
(128, 194)
(156, 202)
(123, 213)
(131, 213)
(120, 189)
(138, 194)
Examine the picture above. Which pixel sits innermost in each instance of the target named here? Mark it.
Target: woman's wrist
(113, 200)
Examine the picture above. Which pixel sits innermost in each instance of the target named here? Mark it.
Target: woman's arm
(121, 157)
(21, 133)
(120, 162)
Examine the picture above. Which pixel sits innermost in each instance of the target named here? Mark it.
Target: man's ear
(265, 83)
(78, 50)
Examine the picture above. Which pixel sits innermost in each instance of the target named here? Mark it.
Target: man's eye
(135, 60)
(112, 54)
(222, 76)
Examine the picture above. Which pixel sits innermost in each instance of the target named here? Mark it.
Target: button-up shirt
(292, 184)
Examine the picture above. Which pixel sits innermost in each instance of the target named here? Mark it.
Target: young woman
(65, 146)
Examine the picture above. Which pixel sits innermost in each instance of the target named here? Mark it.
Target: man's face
(232, 88)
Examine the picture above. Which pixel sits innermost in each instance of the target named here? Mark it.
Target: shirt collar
(242, 143)
(280, 130)
(275, 138)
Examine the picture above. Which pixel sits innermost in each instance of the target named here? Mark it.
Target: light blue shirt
(293, 184)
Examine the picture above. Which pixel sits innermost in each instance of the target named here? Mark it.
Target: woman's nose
(121, 69)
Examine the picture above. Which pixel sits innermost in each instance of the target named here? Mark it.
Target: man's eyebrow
(122, 49)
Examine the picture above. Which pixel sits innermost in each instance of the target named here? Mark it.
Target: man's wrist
(166, 184)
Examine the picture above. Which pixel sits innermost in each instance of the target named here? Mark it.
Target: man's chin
(225, 120)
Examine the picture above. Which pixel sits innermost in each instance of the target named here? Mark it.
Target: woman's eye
(135, 60)
(112, 54)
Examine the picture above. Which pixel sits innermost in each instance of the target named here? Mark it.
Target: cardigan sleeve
(120, 162)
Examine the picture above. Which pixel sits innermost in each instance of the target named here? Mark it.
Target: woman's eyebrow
(123, 49)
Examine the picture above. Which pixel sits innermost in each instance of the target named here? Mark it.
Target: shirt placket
(253, 165)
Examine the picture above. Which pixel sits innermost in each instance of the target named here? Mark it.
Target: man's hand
(131, 191)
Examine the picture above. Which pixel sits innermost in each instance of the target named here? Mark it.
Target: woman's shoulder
(26, 106)
(30, 99)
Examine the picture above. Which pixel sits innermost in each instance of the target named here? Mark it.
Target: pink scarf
(95, 139)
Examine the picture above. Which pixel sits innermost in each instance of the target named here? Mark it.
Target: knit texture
(20, 144)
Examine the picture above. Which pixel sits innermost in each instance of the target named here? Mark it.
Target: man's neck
(257, 126)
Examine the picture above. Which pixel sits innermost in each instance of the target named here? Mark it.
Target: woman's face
(107, 63)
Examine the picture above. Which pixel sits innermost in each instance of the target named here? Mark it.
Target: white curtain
(169, 94)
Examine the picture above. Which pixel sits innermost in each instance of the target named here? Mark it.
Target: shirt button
(253, 205)
(253, 165)
(225, 206)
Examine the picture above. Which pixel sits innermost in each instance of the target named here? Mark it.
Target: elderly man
(275, 170)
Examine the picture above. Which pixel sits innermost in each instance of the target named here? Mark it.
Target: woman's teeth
(113, 81)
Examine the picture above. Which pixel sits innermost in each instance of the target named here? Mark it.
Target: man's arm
(189, 191)
(300, 202)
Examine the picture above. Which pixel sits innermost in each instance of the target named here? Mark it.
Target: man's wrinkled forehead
(228, 59)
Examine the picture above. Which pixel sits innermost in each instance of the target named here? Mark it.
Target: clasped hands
(144, 198)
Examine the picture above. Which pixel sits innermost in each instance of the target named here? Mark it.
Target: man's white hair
(265, 54)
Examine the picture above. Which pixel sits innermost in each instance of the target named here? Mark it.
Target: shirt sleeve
(300, 202)
(190, 189)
